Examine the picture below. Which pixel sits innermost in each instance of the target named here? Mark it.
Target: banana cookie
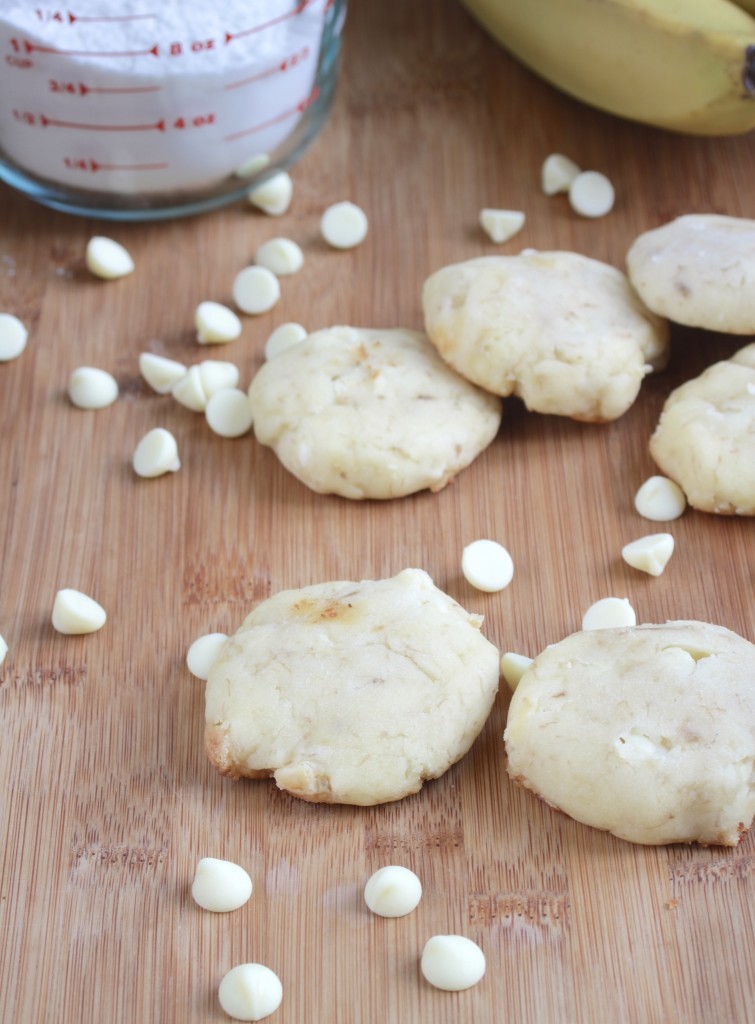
(351, 693)
(370, 413)
(705, 438)
(565, 333)
(698, 270)
(645, 731)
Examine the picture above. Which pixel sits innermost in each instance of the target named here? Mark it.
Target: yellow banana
(685, 65)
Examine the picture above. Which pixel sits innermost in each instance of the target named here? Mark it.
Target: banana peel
(683, 65)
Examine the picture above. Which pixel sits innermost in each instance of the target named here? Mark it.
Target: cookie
(370, 413)
(645, 731)
(705, 438)
(565, 333)
(698, 270)
(351, 692)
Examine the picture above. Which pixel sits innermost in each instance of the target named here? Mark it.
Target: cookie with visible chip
(645, 731)
(698, 270)
(565, 333)
(705, 438)
(370, 414)
(351, 692)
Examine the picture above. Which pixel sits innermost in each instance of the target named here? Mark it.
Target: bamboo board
(107, 798)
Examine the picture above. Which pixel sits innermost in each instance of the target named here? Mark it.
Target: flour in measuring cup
(162, 97)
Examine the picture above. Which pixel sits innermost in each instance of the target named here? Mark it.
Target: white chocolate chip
(273, 196)
(3, 650)
(13, 337)
(229, 412)
(189, 390)
(649, 554)
(156, 453)
(501, 225)
(108, 259)
(73, 613)
(160, 373)
(393, 891)
(487, 565)
(591, 194)
(557, 174)
(256, 290)
(282, 256)
(90, 388)
(660, 499)
(608, 613)
(513, 667)
(344, 225)
(250, 992)
(283, 337)
(216, 375)
(452, 962)
(252, 166)
(220, 885)
(203, 653)
(216, 324)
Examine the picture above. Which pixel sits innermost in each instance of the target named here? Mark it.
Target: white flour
(162, 97)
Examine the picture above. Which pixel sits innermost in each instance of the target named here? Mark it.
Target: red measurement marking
(86, 164)
(46, 121)
(298, 109)
(230, 36)
(153, 51)
(73, 18)
(289, 62)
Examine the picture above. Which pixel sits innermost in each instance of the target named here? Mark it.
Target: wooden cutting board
(107, 798)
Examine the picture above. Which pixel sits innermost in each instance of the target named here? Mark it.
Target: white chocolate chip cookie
(705, 438)
(351, 692)
(698, 270)
(645, 731)
(370, 413)
(565, 333)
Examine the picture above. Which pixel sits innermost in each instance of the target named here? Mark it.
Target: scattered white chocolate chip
(487, 565)
(501, 225)
(189, 391)
(660, 499)
(250, 992)
(256, 290)
(649, 554)
(229, 412)
(156, 453)
(393, 891)
(203, 652)
(591, 194)
(216, 324)
(13, 337)
(282, 256)
(608, 613)
(452, 962)
(273, 196)
(216, 375)
(344, 225)
(108, 259)
(90, 388)
(160, 373)
(283, 337)
(73, 613)
(557, 174)
(513, 667)
(3, 649)
(220, 885)
(252, 166)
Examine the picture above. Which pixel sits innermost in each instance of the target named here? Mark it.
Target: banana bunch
(685, 65)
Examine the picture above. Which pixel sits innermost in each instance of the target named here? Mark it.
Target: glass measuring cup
(167, 107)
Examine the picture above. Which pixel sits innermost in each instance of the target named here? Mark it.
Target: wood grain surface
(107, 798)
